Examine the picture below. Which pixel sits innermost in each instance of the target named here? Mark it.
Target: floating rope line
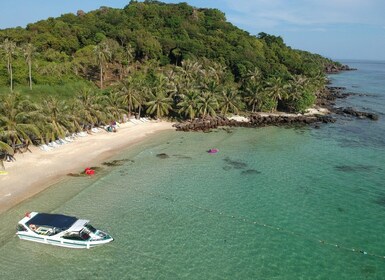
(261, 224)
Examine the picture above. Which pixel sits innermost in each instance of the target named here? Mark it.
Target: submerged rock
(250, 172)
(117, 162)
(235, 164)
(355, 168)
(162, 156)
(352, 112)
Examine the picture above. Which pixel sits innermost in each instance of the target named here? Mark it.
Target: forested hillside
(66, 48)
(162, 60)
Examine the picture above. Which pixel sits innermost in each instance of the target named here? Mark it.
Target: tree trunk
(101, 76)
(30, 75)
(10, 71)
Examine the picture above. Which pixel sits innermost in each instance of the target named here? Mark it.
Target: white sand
(309, 112)
(33, 172)
(239, 118)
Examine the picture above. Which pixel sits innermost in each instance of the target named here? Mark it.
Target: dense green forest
(61, 75)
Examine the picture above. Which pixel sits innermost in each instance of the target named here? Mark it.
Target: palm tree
(192, 69)
(229, 101)
(57, 120)
(297, 85)
(28, 51)
(131, 97)
(17, 120)
(254, 96)
(160, 105)
(103, 55)
(189, 104)
(254, 75)
(207, 104)
(218, 72)
(5, 150)
(318, 81)
(10, 51)
(129, 53)
(91, 108)
(114, 105)
(276, 90)
(210, 86)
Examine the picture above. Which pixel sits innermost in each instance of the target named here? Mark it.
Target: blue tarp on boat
(53, 220)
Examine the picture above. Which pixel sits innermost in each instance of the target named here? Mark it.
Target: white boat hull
(62, 242)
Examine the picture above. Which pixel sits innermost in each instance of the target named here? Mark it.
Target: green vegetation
(149, 58)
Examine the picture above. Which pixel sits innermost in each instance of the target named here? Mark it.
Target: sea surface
(273, 203)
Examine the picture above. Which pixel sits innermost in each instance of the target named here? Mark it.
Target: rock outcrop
(255, 120)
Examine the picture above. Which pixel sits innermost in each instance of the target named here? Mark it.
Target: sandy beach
(33, 172)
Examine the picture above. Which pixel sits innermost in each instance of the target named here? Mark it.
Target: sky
(337, 29)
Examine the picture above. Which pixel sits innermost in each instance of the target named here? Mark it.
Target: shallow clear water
(272, 204)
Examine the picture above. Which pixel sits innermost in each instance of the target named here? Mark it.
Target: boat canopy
(78, 225)
(52, 220)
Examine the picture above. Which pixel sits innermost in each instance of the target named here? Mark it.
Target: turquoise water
(274, 203)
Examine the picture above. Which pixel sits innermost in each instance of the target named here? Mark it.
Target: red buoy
(89, 171)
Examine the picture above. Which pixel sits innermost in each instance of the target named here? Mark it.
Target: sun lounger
(59, 142)
(45, 148)
(135, 121)
(53, 145)
(81, 134)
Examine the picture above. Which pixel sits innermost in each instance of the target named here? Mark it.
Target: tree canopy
(62, 75)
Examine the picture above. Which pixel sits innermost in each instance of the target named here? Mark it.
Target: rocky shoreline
(325, 99)
(328, 97)
(255, 120)
(334, 69)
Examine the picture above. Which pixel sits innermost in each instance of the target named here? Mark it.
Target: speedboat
(60, 230)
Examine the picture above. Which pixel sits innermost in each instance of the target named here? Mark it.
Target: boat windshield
(82, 235)
(90, 228)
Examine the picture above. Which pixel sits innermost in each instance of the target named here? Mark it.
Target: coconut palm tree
(189, 104)
(318, 81)
(28, 51)
(277, 90)
(297, 85)
(5, 150)
(129, 55)
(218, 72)
(160, 105)
(131, 95)
(10, 51)
(57, 120)
(73, 113)
(254, 96)
(91, 108)
(103, 55)
(114, 106)
(207, 104)
(254, 75)
(191, 69)
(229, 101)
(17, 120)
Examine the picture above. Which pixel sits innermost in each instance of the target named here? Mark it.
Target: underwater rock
(117, 162)
(162, 156)
(250, 172)
(235, 164)
(182, 157)
(354, 168)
